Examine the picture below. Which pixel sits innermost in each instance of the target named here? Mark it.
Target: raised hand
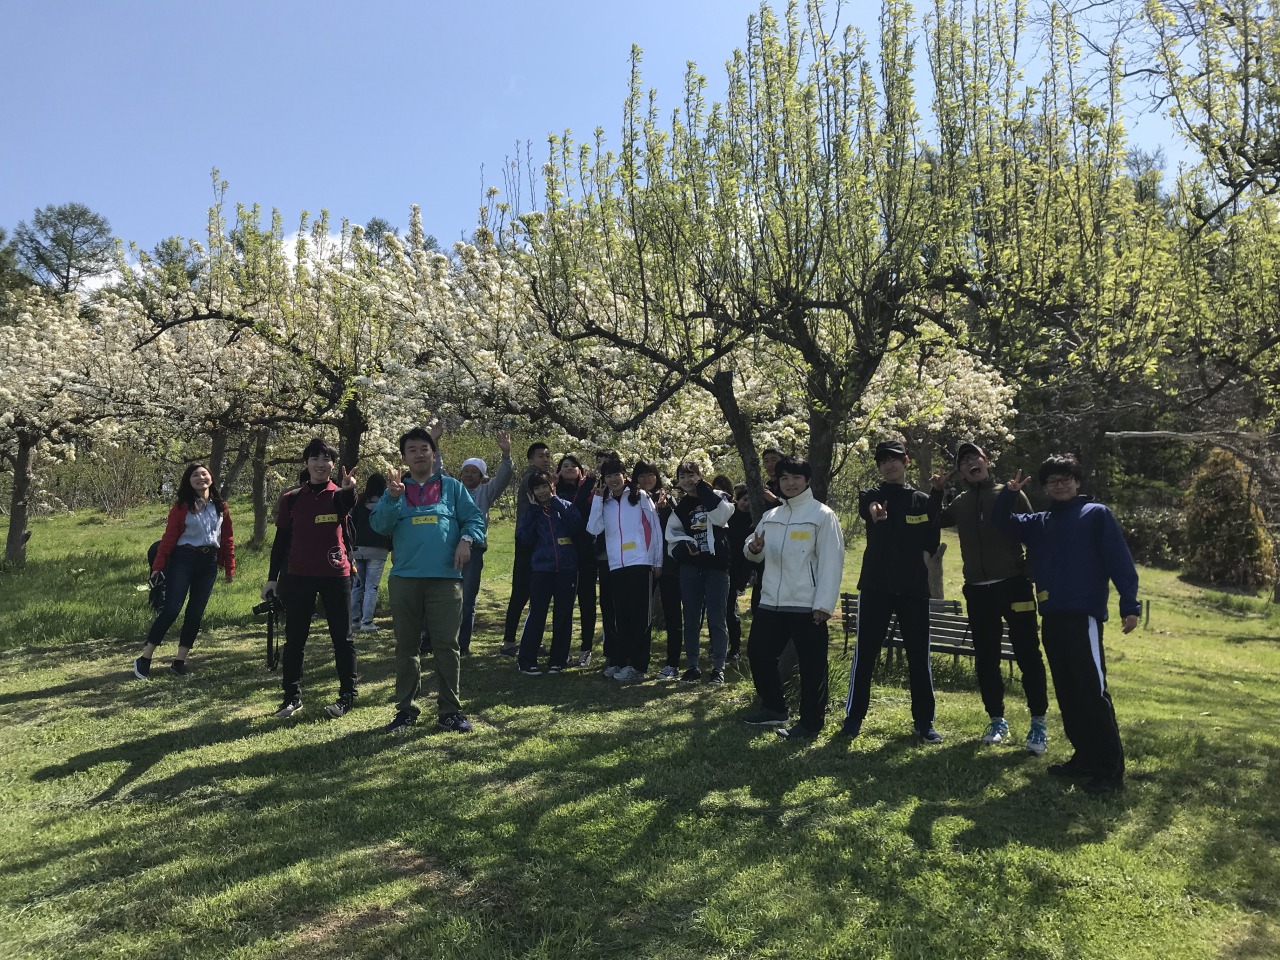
(504, 442)
(756, 543)
(939, 480)
(878, 512)
(348, 480)
(1017, 483)
(437, 431)
(394, 486)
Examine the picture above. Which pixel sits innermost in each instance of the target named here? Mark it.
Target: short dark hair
(534, 448)
(688, 466)
(568, 458)
(539, 478)
(1057, 464)
(722, 483)
(739, 491)
(320, 447)
(602, 455)
(612, 465)
(417, 433)
(772, 448)
(796, 466)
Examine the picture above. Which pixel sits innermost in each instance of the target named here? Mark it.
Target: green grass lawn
(176, 818)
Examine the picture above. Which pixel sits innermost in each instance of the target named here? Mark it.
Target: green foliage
(1229, 542)
(65, 245)
(1157, 536)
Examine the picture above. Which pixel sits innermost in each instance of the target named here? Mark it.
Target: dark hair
(739, 491)
(722, 483)
(795, 465)
(417, 433)
(688, 466)
(320, 447)
(772, 448)
(603, 455)
(612, 465)
(568, 458)
(540, 478)
(1057, 464)
(534, 448)
(375, 486)
(643, 466)
(304, 477)
(187, 493)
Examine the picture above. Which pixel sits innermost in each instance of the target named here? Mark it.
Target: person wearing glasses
(996, 591)
(1077, 546)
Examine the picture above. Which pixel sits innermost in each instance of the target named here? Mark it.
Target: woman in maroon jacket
(197, 541)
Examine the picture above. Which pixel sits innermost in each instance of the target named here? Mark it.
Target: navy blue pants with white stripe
(875, 610)
(1073, 647)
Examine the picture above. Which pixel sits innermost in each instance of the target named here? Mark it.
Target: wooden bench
(948, 630)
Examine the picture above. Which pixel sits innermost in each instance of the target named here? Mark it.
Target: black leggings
(299, 596)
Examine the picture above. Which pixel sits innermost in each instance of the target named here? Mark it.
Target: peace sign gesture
(1017, 483)
(347, 481)
(394, 486)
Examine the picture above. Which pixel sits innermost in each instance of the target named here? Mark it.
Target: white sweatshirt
(632, 534)
(803, 556)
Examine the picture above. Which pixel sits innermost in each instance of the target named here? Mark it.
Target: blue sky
(362, 109)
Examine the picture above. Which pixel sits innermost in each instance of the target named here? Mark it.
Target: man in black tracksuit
(996, 591)
(902, 530)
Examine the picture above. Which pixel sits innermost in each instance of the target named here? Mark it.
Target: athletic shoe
(628, 674)
(668, 673)
(454, 722)
(850, 728)
(1068, 768)
(340, 707)
(288, 708)
(735, 654)
(179, 667)
(556, 668)
(997, 731)
(610, 671)
(368, 628)
(1038, 738)
(531, 671)
(584, 658)
(797, 731)
(764, 717)
(1101, 786)
(692, 675)
(142, 667)
(509, 649)
(403, 721)
(929, 735)
(716, 678)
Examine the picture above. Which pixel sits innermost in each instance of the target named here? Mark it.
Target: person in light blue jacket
(433, 523)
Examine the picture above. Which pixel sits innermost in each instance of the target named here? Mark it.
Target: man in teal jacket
(433, 523)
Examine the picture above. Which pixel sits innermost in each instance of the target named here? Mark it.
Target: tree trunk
(15, 551)
(217, 453)
(351, 432)
(260, 506)
(822, 445)
(740, 428)
(237, 465)
(934, 566)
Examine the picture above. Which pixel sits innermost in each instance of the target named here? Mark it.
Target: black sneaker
(716, 678)
(555, 668)
(929, 735)
(340, 707)
(288, 708)
(509, 649)
(797, 731)
(454, 722)
(850, 728)
(1068, 768)
(142, 668)
(179, 667)
(531, 671)
(402, 721)
(692, 675)
(764, 717)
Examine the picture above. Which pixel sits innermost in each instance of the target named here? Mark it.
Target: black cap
(890, 448)
(967, 448)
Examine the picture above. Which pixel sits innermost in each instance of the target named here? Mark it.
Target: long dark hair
(644, 466)
(375, 486)
(187, 495)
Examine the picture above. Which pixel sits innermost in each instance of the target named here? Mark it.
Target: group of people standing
(687, 552)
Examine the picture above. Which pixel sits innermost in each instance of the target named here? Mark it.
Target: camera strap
(273, 650)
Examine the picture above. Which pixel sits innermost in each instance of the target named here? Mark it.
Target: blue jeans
(704, 589)
(193, 572)
(470, 590)
(364, 588)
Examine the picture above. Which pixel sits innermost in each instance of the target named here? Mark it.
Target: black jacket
(894, 559)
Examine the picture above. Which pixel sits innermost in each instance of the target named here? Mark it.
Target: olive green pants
(437, 604)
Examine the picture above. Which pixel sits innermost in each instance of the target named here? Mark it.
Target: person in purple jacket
(1076, 547)
(548, 530)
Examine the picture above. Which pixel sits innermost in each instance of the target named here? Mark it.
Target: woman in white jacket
(802, 546)
(633, 541)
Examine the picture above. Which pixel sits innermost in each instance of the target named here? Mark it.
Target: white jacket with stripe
(632, 533)
(803, 556)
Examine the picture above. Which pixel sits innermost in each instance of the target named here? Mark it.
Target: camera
(273, 604)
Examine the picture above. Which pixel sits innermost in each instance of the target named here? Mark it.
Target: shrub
(1157, 536)
(1228, 537)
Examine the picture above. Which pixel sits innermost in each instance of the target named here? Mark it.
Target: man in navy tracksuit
(902, 529)
(1076, 547)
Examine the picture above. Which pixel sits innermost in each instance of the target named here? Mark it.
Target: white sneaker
(669, 673)
(997, 731)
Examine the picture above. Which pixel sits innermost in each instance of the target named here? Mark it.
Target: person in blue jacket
(1076, 547)
(548, 529)
(433, 523)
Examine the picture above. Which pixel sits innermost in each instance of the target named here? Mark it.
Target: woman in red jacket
(197, 541)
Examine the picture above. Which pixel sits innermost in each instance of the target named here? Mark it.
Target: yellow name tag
(564, 541)
(327, 518)
(1042, 596)
(799, 534)
(629, 546)
(917, 518)
(1023, 606)
(426, 518)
